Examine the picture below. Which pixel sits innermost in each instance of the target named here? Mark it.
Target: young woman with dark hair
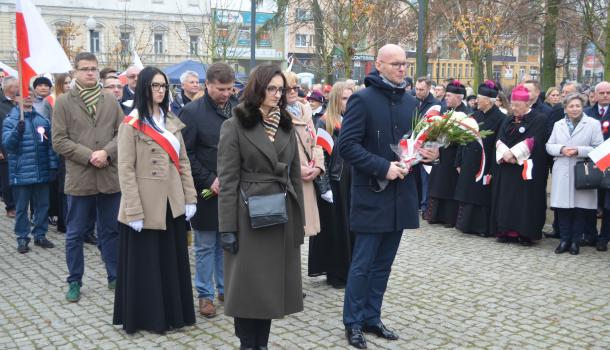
(258, 155)
(153, 290)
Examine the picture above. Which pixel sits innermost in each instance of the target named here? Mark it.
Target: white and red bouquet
(435, 130)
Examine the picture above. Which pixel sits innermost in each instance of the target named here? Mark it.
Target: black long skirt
(441, 211)
(472, 218)
(153, 290)
(330, 251)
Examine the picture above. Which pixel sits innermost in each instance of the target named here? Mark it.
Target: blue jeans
(37, 197)
(79, 223)
(208, 264)
(368, 276)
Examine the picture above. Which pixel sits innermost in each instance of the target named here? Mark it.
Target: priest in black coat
(442, 206)
(474, 197)
(519, 185)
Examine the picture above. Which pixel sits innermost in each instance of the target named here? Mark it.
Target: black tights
(252, 332)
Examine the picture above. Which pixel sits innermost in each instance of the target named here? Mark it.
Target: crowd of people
(132, 168)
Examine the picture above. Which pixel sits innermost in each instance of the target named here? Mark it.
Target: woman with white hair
(571, 140)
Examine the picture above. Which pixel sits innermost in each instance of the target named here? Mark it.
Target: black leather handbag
(268, 209)
(588, 176)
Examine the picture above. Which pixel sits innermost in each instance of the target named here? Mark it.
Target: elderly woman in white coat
(572, 139)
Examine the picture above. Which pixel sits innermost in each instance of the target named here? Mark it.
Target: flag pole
(20, 72)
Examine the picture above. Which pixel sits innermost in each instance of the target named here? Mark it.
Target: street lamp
(91, 25)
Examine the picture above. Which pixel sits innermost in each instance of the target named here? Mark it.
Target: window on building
(125, 42)
(264, 39)
(303, 15)
(223, 35)
(442, 70)
(300, 40)
(194, 45)
(62, 38)
(158, 44)
(95, 42)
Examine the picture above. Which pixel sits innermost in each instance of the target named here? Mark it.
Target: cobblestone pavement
(447, 291)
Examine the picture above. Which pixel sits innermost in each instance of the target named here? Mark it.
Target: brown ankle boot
(206, 308)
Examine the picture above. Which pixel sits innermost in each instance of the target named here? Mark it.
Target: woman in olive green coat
(258, 154)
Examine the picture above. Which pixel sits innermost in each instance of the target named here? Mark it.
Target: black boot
(574, 249)
(563, 247)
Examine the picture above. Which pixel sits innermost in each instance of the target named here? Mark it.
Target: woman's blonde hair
(291, 78)
(548, 93)
(333, 113)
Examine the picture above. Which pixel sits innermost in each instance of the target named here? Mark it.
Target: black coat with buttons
(201, 135)
(377, 117)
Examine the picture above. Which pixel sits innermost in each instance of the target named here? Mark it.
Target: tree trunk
(477, 66)
(320, 40)
(550, 40)
(421, 61)
(489, 68)
(607, 53)
(566, 63)
(581, 58)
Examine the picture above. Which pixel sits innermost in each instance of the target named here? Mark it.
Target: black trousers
(252, 332)
(571, 224)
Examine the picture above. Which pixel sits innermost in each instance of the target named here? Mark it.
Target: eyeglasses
(275, 89)
(157, 86)
(87, 69)
(116, 86)
(291, 89)
(397, 65)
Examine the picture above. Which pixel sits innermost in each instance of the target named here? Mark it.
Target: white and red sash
(166, 140)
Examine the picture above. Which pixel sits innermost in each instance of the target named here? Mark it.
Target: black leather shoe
(562, 247)
(502, 239)
(588, 243)
(22, 247)
(574, 249)
(381, 331)
(602, 247)
(43, 243)
(91, 239)
(355, 337)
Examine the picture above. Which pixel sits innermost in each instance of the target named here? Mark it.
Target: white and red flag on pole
(39, 50)
(601, 155)
(324, 140)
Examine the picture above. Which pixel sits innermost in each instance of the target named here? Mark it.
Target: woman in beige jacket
(153, 290)
(312, 157)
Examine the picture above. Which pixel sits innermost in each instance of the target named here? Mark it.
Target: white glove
(136, 225)
(328, 196)
(190, 210)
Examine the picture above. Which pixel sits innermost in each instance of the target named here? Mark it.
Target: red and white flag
(325, 140)
(601, 155)
(528, 167)
(39, 50)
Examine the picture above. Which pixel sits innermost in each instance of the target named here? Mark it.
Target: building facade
(162, 32)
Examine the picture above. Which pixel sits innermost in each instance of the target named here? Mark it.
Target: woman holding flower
(519, 184)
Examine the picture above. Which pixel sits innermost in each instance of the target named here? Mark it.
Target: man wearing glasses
(85, 125)
(130, 88)
(113, 85)
(384, 194)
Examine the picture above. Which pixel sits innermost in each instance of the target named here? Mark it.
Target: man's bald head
(389, 50)
(392, 63)
(132, 77)
(602, 85)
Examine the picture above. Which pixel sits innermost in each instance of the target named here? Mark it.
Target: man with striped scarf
(85, 126)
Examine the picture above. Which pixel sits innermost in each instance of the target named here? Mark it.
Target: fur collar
(249, 116)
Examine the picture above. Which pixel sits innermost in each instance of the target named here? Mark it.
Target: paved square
(447, 291)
